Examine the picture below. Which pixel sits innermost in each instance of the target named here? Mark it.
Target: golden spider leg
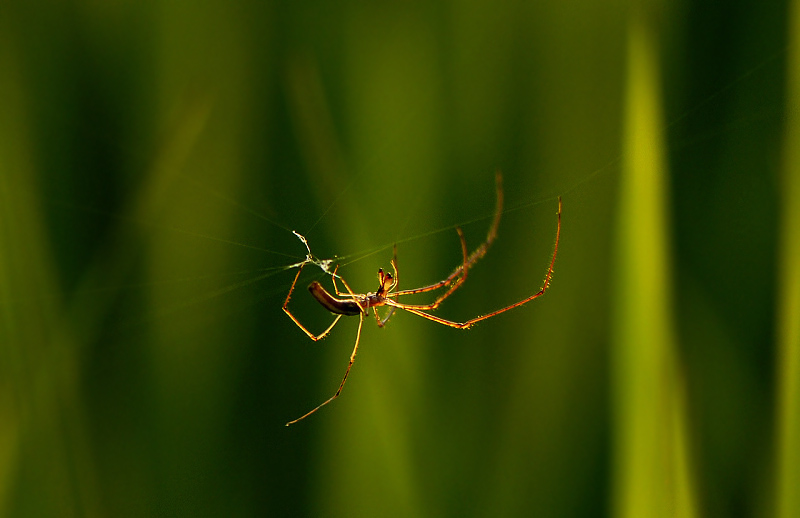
(435, 304)
(477, 254)
(297, 322)
(464, 325)
(364, 310)
(349, 291)
(344, 379)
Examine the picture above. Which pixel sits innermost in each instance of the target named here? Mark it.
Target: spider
(348, 303)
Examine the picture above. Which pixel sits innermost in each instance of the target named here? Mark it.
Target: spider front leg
(463, 269)
(461, 279)
(346, 286)
(469, 261)
(297, 322)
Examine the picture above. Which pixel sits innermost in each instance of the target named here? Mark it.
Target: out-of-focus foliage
(156, 156)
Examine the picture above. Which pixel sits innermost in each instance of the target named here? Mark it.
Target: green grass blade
(788, 462)
(652, 469)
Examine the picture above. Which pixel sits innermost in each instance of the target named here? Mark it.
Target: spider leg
(333, 278)
(361, 300)
(347, 287)
(297, 322)
(478, 253)
(418, 310)
(344, 379)
(459, 282)
(358, 300)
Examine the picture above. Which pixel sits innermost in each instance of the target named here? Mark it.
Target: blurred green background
(155, 157)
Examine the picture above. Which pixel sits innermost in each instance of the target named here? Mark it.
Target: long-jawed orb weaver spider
(352, 304)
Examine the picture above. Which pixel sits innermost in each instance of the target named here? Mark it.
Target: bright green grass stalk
(788, 462)
(651, 465)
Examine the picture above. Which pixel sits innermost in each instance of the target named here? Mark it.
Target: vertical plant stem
(788, 480)
(650, 461)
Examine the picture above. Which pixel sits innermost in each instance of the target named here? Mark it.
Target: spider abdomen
(331, 303)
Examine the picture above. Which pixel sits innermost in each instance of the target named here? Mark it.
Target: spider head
(386, 281)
